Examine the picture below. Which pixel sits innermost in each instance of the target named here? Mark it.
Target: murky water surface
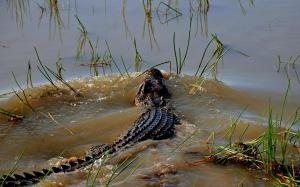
(64, 125)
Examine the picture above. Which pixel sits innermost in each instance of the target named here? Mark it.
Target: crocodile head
(153, 91)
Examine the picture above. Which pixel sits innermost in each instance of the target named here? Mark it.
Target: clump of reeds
(216, 55)
(96, 60)
(269, 152)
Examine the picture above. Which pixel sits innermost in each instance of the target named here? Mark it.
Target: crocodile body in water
(157, 122)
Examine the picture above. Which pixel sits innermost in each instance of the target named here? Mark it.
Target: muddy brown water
(64, 126)
(107, 110)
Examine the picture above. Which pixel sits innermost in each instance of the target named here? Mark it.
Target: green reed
(59, 78)
(124, 66)
(29, 76)
(22, 97)
(46, 72)
(83, 39)
(113, 60)
(11, 115)
(202, 59)
(43, 70)
(180, 58)
(270, 148)
(12, 170)
(233, 125)
(138, 60)
(96, 59)
(120, 168)
(217, 54)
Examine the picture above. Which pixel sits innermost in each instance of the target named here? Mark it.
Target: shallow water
(66, 125)
(107, 110)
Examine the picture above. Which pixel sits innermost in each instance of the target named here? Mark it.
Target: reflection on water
(168, 14)
(288, 67)
(55, 19)
(20, 10)
(201, 8)
(148, 23)
(126, 28)
(243, 9)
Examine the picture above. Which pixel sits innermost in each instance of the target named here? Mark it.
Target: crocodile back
(157, 122)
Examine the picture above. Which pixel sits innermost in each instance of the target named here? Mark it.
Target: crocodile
(157, 122)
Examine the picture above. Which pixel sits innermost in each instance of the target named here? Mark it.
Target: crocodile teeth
(28, 175)
(19, 177)
(38, 174)
(56, 169)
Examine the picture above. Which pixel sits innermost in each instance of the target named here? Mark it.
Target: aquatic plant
(288, 65)
(216, 54)
(137, 58)
(12, 170)
(180, 62)
(124, 66)
(113, 60)
(55, 19)
(82, 39)
(42, 69)
(271, 148)
(29, 76)
(11, 115)
(22, 97)
(58, 77)
(19, 9)
(148, 21)
(46, 71)
(118, 169)
(127, 30)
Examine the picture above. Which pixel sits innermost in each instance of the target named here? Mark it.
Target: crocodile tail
(36, 176)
